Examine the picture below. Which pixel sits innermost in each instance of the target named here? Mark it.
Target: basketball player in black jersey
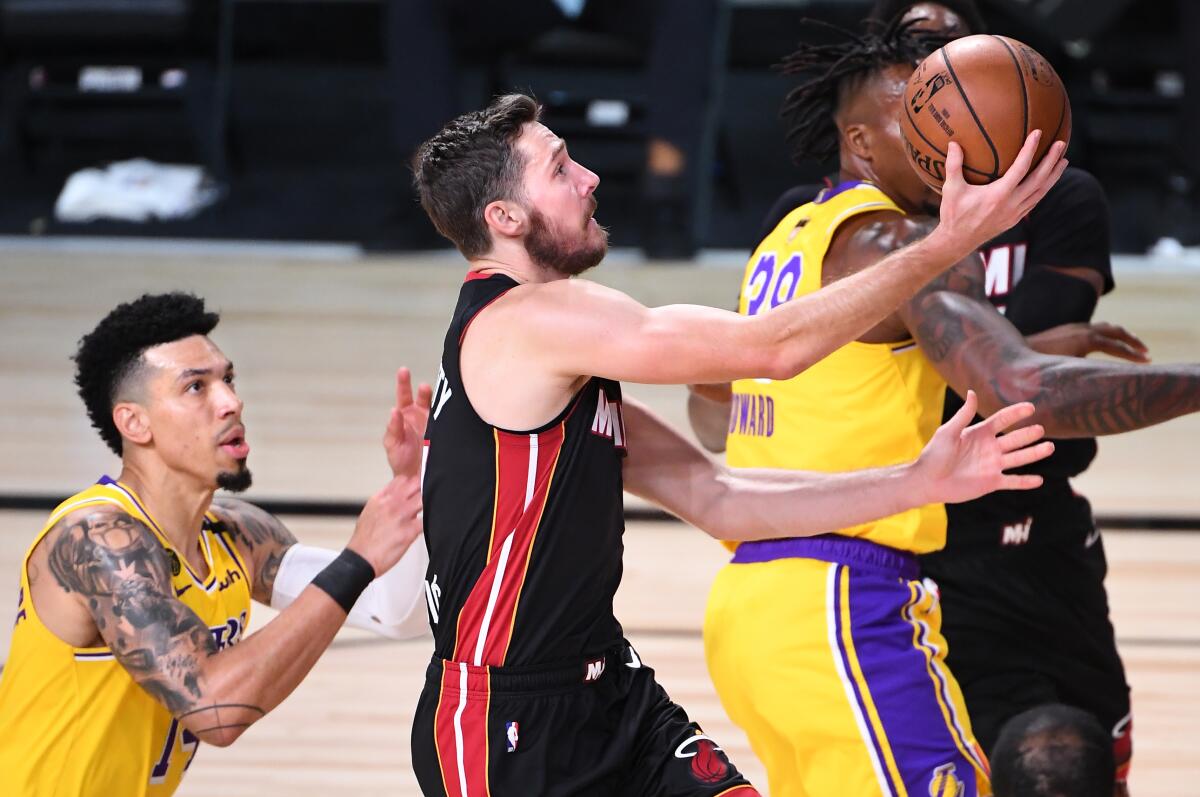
(532, 688)
(1021, 578)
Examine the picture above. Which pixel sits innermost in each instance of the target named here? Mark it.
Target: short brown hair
(469, 163)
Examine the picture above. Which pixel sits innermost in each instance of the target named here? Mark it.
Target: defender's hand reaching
(403, 446)
(963, 462)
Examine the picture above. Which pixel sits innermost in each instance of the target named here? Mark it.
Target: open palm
(963, 462)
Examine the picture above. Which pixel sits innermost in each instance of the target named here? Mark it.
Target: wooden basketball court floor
(316, 342)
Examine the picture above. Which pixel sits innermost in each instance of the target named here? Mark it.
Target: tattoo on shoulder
(117, 565)
(261, 535)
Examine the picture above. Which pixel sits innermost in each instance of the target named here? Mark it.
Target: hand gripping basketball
(971, 215)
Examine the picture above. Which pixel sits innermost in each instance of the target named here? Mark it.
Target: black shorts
(1028, 625)
(603, 727)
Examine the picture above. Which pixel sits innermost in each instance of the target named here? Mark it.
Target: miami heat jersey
(524, 528)
(865, 405)
(74, 722)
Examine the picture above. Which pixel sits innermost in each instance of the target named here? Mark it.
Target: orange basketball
(987, 93)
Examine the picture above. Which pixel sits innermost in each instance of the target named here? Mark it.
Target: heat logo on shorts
(708, 764)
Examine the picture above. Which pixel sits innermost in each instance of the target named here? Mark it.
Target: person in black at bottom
(1053, 751)
(532, 688)
(1021, 578)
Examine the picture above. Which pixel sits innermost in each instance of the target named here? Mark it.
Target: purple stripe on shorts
(861, 555)
(904, 693)
(849, 671)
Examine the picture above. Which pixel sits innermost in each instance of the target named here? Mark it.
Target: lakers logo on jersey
(945, 782)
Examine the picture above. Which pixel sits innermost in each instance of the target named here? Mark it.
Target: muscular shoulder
(89, 547)
(865, 239)
(261, 538)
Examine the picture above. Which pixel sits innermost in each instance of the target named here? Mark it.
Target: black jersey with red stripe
(524, 528)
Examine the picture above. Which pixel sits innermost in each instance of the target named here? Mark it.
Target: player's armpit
(974, 347)
(116, 565)
(260, 537)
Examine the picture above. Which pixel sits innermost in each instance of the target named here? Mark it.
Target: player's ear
(505, 219)
(858, 140)
(132, 421)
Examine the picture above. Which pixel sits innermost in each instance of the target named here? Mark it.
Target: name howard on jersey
(752, 415)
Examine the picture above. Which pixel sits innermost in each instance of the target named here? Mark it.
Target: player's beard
(548, 249)
(235, 481)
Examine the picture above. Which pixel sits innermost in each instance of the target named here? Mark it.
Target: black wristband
(345, 578)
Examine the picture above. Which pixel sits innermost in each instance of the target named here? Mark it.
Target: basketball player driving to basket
(854, 698)
(532, 688)
(128, 649)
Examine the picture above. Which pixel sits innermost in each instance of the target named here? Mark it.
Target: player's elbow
(1018, 380)
(784, 362)
(217, 736)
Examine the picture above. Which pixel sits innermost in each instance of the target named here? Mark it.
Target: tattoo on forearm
(119, 567)
(1073, 396)
(259, 534)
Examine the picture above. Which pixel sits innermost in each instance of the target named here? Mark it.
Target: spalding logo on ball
(988, 93)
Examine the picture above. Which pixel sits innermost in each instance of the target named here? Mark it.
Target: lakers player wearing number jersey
(827, 650)
(75, 723)
(134, 596)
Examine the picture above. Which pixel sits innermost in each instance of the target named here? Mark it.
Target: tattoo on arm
(973, 346)
(261, 536)
(119, 568)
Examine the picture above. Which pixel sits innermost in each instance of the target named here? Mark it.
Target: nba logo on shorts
(945, 782)
(513, 734)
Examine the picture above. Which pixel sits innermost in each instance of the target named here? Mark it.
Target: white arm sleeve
(392, 606)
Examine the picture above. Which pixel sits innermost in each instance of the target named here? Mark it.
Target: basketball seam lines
(1024, 91)
(932, 146)
(995, 173)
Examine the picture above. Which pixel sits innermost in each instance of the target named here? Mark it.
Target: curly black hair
(885, 11)
(112, 352)
(835, 68)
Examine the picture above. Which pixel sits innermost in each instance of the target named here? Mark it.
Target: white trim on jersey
(831, 622)
(502, 564)
(458, 731)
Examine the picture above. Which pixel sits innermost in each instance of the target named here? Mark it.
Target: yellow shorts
(834, 665)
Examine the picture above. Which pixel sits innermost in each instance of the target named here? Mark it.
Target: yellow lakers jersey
(72, 720)
(865, 405)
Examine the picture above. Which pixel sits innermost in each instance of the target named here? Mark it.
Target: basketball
(987, 93)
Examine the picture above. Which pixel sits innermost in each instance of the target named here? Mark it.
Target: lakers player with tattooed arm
(128, 649)
(828, 650)
(532, 688)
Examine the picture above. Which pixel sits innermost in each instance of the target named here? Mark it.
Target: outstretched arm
(579, 327)
(960, 463)
(974, 347)
(393, 605)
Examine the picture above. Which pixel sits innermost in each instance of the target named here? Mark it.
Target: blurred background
(256, 152)
(303, 114)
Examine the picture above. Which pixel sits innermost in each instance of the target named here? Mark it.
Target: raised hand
(973, 214)
(402, 439)
(963, 462)
(389, 522)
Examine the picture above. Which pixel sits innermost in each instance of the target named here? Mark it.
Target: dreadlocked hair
(834, 69)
